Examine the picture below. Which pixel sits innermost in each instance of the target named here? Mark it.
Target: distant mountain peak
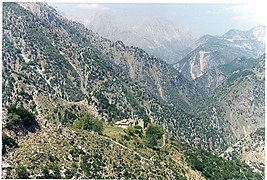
(259, 33)
(159, 36)
(222, 49)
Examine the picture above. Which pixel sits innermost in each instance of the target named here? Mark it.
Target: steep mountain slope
(59, 70)
(244, 100)
(160, 78)
(213, 78)
(251, 148)
(240, 98)
(81, 154)
(75, 153)
(213, 51)
(159, 37)
(49, 61)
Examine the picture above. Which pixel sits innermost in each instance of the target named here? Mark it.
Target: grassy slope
(78, 153)
(75, 150)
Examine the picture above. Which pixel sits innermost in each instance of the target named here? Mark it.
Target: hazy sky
(215, 19)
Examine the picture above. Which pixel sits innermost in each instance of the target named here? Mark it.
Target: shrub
(56, 171)
(147, 121)
(129, 131)
(19, 115)
(22, 172)
(45, 172)
(126, 137)
(89, 123)
(154, 132)
(68, 117)
(8, 141)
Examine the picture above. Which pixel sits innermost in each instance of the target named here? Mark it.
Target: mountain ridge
(60, 70)
(175, 40)
(212, 52)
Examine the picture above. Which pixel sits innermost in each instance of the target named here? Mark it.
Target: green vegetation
(134, 131)
(260, 132)
(8, 142)
(92, 153)
(215, 167)
(235, 76)
(69, 117)
(66, 66)
(22, 172)
(113, 132)
(110, 109)
(146, 120)
(55, 172)
(89, 123)
(154, 132)
(239, 64)
(16, 115)
(45, 172)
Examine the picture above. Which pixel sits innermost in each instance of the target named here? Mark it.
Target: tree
(19, 115)
(154, 132)
(147, 121)
(56, 171)
(68, 117)
(89, 123)
(13, 117)
(98, 126)
(129, 131)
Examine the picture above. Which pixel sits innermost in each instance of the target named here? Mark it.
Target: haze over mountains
(172, 42)
(210, 103)
(158, 36)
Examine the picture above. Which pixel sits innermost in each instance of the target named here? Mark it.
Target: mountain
(108, 25)
(214, 77)
(158, 36)
(213, 51)
(81, 68)
(240, 99)
(55, 71)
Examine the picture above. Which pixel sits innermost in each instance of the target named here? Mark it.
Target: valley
(65, 86)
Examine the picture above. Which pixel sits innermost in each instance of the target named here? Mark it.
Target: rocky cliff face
(244, 102)
(241, 99)
(214, 51)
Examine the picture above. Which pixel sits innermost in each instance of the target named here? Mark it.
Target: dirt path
(164, 141)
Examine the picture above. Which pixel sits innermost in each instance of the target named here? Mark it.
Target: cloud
(93, 6)
(252, 12)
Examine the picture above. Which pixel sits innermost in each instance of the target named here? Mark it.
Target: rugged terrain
(212, 52)
(58, 70)
(240, 101)
(113, 80)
